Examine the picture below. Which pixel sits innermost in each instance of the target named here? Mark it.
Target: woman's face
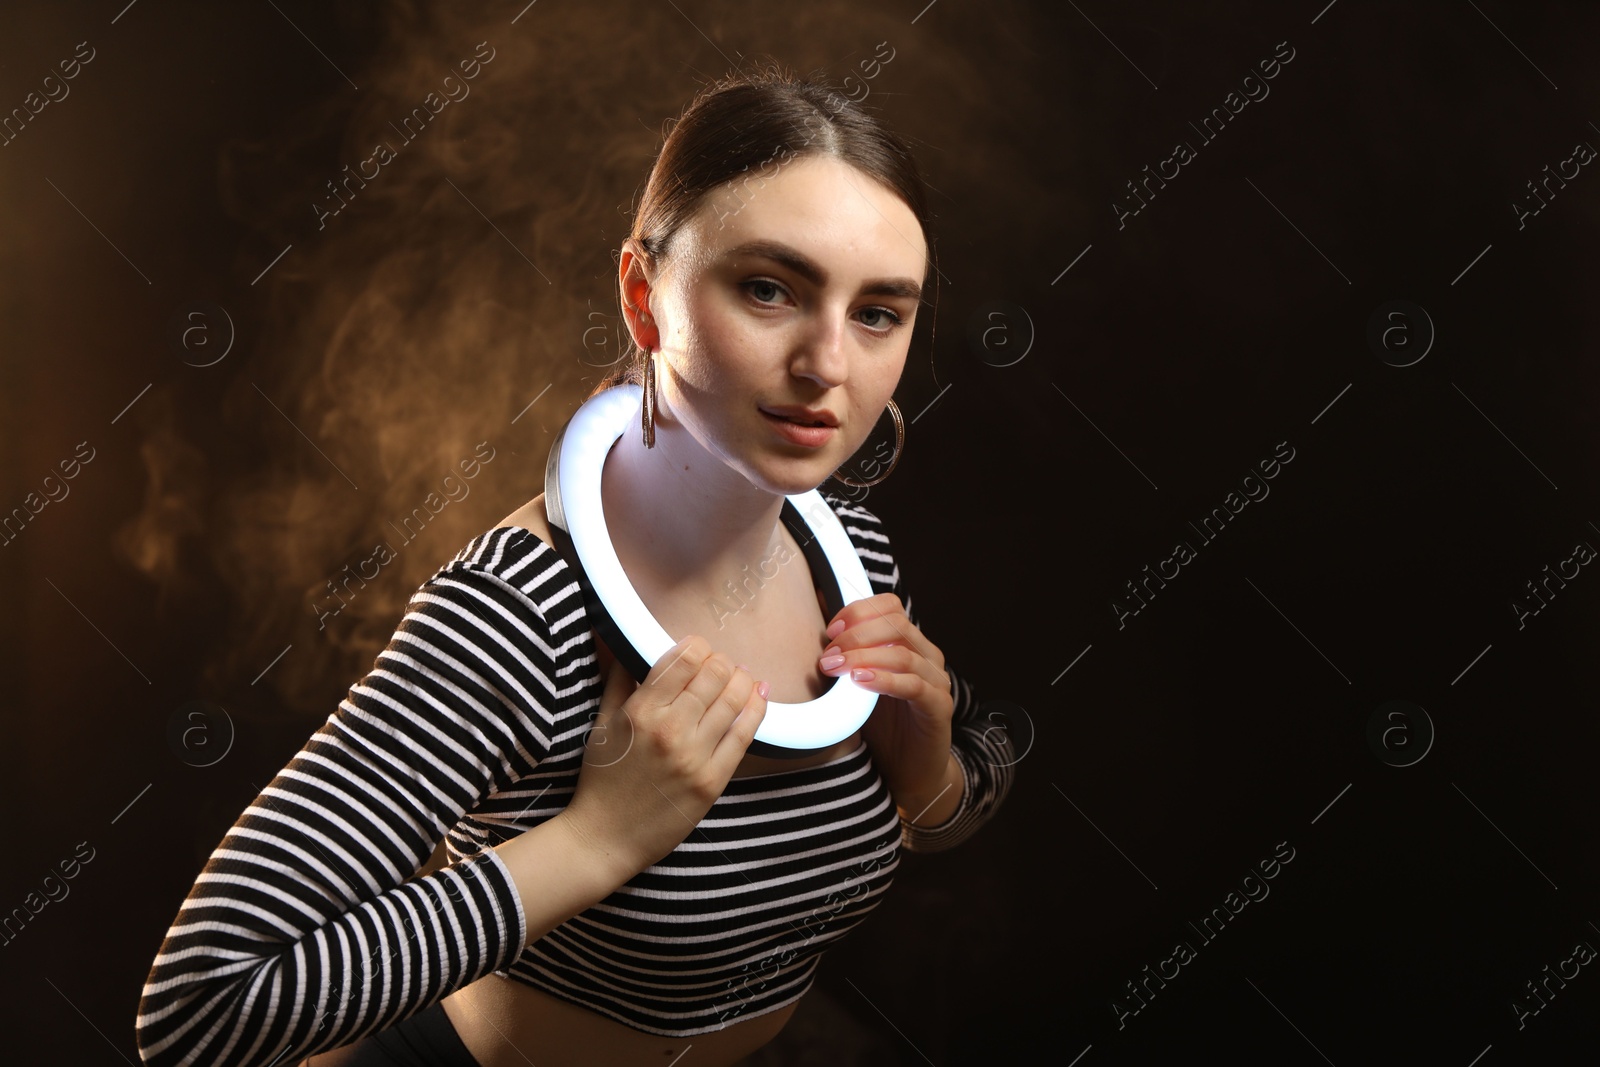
(819, 317)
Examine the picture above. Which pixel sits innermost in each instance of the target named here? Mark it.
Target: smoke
(433, 288)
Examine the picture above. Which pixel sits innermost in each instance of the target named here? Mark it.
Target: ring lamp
(578, 525)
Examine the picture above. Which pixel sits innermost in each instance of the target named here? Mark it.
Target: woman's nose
(823, 357)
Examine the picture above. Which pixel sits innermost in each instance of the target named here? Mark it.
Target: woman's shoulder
(517, 551)
(531, 518)
(862, 525)
(867, 533)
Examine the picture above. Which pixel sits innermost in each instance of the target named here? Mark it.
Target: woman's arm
(557, 874)
(308, 927)
(982, 753)
(984, 757)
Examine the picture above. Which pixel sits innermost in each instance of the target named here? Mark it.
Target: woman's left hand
(908, 732)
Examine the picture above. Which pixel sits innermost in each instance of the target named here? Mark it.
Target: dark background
(1139, 387)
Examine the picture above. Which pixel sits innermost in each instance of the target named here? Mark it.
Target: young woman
(627, 880)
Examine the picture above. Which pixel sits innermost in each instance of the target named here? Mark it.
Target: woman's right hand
(660, 753)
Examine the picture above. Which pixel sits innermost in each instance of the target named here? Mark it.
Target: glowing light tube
(578, 523)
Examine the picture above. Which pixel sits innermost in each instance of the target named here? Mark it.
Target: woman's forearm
(937, 809)
(558, 873)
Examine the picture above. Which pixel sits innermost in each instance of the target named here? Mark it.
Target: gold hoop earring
(899, 445)
(648, 412)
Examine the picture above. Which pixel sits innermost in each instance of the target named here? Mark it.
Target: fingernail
(763, 688)
(830, 662)
(861, 674)
(835, 629)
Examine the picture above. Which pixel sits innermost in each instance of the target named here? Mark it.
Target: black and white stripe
(307, 930)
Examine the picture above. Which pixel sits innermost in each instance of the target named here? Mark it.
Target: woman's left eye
(761, 284)
(895, 321)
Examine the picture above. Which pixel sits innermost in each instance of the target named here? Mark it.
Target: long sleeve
(979, 742)
(306, 930)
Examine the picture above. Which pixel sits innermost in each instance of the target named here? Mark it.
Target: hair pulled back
(734, 129)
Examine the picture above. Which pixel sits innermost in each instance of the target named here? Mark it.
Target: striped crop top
(308, 928)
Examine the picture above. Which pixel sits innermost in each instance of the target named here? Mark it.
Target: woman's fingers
(882, 618)
(735, 740)
(897, 671)
(726, 701)
(706, 692)
(871, 625)
(713, 675)
(677, 666)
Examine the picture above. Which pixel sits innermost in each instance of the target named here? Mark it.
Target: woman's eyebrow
(796, 261)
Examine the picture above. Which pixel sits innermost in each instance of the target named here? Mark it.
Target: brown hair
(748, 120)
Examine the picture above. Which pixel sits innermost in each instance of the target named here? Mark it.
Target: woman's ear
(636, 275)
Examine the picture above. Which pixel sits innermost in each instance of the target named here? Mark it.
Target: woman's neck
(681, 520)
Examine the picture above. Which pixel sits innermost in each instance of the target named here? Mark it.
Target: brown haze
(408, 329)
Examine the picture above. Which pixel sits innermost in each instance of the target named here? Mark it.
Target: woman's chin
(792, 478)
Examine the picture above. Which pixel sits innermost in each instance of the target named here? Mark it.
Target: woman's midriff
(505, 1023)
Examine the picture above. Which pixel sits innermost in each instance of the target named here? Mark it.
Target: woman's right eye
(750, 287)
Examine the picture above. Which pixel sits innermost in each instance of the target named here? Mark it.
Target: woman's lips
(809, 436)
